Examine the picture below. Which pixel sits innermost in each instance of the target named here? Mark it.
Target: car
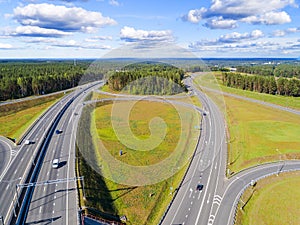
(27, 142)
(199, 187)
(55, 163)
(58, 131)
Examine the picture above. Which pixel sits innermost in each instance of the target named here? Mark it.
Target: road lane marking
(191, 192)
(208, 198)
(44, 189)
(199, 195)
(40, 209)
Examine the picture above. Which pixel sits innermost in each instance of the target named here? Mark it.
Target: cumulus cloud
(114, 2)
(62, 18)
(34, 31)
(130, 34)
(220, 23)
(281, 33)
(230, 38)
(5, 46)
(224, 14)
(98, 38)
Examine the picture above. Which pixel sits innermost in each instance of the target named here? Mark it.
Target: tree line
(281, 70)
(263, 84)
(22, 79)
(148, 78)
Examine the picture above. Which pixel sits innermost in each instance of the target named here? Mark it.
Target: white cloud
(195, 15)
(34, 31)
(49, 16)
(224, 14)
(237, 37)
(114, 2)
(228, 39)
(98, 38)
(5, 46)
(220, 23)
(269, 18)
(281, 33)
(130, 34)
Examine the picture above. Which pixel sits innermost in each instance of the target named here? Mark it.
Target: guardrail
(40, 157)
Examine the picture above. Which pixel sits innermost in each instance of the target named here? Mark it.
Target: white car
(27, 142)
(55, 163)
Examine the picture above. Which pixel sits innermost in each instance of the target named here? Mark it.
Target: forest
(263, 84)
(20, 79)
(149, 78)
(281, 70)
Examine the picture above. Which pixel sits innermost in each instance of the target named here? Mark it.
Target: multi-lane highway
(20, 159)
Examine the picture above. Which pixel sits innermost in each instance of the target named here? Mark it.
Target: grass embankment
(15, 118)
(275, 201)
(258, 134)
(140, 204)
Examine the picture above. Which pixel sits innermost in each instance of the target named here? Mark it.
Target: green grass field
(141, 204)
(17, 117)
(260, 134)
(275, 200)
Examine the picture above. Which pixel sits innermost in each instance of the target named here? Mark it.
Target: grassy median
(140, 204)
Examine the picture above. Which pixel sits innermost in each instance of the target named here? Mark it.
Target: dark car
(58, 131)
(199, 187)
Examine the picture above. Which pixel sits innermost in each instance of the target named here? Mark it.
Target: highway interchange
(57, 202)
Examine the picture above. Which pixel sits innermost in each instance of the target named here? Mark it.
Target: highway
(20, 160)
(57, 202)
(216, 203)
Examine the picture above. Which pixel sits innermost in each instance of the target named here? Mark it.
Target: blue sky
(93, 28)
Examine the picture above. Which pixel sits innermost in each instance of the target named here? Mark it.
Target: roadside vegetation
(256, 133)
(140, 204)
(15, 118)
(274, 200)
(214, 81)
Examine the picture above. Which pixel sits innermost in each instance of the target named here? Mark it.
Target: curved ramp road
(216, 203)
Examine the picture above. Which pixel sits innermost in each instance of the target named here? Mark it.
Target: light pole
(280, 167)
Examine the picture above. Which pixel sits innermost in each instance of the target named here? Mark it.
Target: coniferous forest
(148, 78)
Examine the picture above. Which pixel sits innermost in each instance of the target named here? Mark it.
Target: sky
(96, 28)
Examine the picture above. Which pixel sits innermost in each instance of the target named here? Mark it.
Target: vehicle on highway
(27, 142)
(199, 187)
(58, 131)
(55, 163)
